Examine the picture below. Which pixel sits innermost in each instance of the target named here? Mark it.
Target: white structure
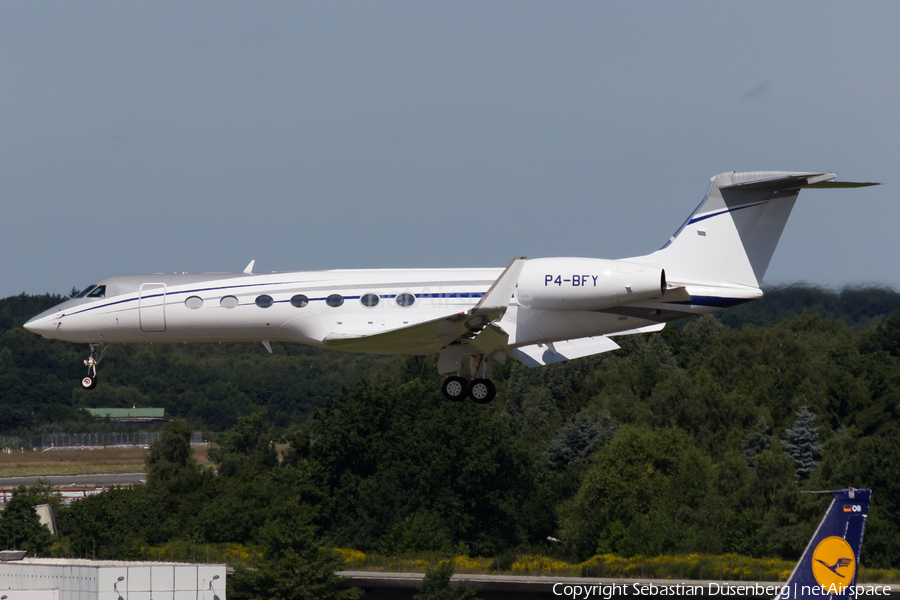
(80, 579)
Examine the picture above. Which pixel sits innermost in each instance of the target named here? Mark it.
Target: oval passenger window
(194, 302)
(299, 301)
(264, 301)
(228, 302)
(369, 300)
(405, 299)
(334, 300)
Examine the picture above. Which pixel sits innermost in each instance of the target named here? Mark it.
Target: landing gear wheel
(482, 391)
(89, 381)
(455, 388)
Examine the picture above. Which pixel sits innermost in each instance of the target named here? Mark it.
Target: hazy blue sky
(173, 136)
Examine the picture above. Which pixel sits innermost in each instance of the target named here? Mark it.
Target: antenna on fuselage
(249, 269)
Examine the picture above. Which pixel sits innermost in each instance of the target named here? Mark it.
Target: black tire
(88, 382)
(482, 391)
(455, 388)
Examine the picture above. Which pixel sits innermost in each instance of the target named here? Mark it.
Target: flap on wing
(546, 354)
(645, 329)
(425, 338)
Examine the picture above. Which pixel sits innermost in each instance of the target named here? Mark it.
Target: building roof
(128, 414)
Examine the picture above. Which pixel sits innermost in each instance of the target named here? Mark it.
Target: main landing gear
(481, 391)
(89, 381)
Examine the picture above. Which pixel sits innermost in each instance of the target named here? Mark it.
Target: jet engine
(587, 283)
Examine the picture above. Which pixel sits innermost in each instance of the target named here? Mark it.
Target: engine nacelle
(587, 283)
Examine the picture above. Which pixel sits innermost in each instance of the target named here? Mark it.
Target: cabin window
(369, 300)
(334, 300)
(405, 299)
(264, 301)
(299, 301)
(228, 302)
(194, 302)
(97, 292)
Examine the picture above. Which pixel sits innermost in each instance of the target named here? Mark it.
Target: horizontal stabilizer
(840, 184)
(782, 181)
(546, 354)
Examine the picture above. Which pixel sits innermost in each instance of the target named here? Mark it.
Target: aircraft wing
(432, 336)
(537, 355)
(425, 338)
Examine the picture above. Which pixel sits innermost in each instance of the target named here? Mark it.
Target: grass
(78, 462)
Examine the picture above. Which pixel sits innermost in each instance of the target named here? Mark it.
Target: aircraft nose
(41, 325)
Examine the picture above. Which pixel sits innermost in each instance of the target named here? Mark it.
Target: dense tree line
(700, 438)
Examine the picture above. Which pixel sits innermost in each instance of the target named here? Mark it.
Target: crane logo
(833, 563)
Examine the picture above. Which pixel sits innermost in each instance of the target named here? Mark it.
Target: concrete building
(80, 579)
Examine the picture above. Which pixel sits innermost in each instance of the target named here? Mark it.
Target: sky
(150, 137)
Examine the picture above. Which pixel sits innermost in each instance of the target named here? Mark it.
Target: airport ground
(109, 461)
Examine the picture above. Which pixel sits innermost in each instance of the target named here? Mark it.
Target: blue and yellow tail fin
(830, 563)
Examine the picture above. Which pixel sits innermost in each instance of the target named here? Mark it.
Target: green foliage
(436, 585)
(291, 564)
(802, 443)
(20, 525)
(249, 446)
(418, 532)
(574, 443)
(171, 454)
(647, 492)
(385, 451)
(757, 441)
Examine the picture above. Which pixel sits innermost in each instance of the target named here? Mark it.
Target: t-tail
(729, 239)
(830, 564)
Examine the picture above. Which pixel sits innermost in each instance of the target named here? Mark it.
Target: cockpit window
(84, 292)
(97, 292)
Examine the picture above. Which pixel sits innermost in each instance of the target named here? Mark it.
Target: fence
(69, 441)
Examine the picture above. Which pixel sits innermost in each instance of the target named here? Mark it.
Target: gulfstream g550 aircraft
(538, 311)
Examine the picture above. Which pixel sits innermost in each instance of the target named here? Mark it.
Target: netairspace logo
(607, 591)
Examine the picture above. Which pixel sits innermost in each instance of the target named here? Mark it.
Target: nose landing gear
(89, 381)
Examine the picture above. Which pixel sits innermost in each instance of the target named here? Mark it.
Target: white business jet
(538, 311)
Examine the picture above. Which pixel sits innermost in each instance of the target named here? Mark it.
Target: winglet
(249, 269)
(497, 297)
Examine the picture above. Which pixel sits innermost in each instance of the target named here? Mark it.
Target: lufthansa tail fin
(830, 563)
(730, 238)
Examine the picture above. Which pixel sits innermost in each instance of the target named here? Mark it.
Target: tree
(802, 443)
(21, 527)
(247, 448)
(436, 585)
(574, 443)
(757, 441)
(291, 563)
(646, 492)
(170, 454)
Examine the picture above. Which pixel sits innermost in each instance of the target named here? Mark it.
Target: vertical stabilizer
(730, 238)
(830, 563)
